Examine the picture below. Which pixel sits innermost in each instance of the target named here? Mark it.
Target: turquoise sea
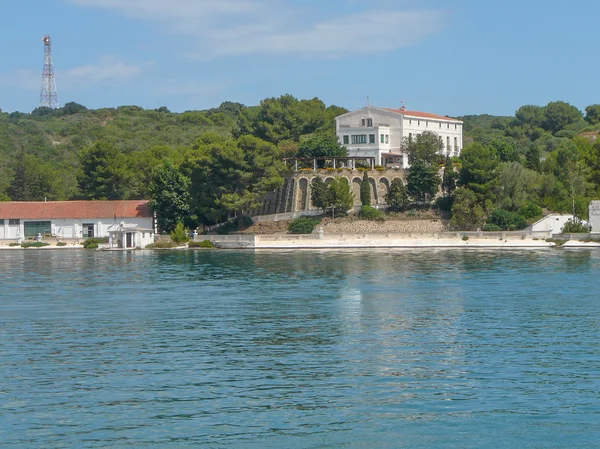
(300, 349)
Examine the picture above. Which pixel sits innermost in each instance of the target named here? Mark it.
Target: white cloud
(25, 79)
(227, 27)
(109, 70)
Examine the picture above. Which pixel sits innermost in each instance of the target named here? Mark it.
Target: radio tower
(48, 95)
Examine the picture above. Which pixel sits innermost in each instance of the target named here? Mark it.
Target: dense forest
(203, 165)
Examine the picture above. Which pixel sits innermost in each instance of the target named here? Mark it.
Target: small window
(14, 221)
(418, 122)
(143, 235)
(382, 137)
(363, 122)
(2, 219)
(346, 140)
(410, 121)
(387, 138)
(455, 126)
(371, 138)
(448, 125)
(369, 122)
(440, 124)
(427, 123)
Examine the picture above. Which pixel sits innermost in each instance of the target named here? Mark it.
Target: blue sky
(451, 57)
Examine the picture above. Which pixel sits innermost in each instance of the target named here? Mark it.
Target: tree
(32, 180)
(505, 148)
(449, 177)
(365, 190)
(319, 194)
(397, 197)
(104, 173)
(592, 114)
(515, 184)
(72, 108)
(169, 196)
(506, 221)
(533, 158)
(423, 181)
(559, 114)
(478, 171)
(342, 197)
(180, 234)
(321, 145)
(467, 214)
(427, 147)
(336, 195)
(231, 177)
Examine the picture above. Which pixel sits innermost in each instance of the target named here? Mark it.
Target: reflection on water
(394, 348)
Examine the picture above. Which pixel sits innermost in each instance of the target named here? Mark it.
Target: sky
(449, 57)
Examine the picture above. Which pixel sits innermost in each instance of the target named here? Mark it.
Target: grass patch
(202, 244)
(13, 244)
(61, 244)
(466, 237)
(93, 243)
(557, 242)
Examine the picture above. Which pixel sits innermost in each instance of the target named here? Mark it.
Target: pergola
(370, 160)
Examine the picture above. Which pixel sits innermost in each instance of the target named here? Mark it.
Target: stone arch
(356, 190)
(374, 192)
(303, 195)
(328, 180)
(384, 188)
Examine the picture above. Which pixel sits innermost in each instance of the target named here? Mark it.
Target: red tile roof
(421, 114)
(34, 210)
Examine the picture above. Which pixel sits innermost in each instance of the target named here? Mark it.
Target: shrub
(92, 243)
(507, 221)
(202, 244)
(490, 227)
(14, 244)
(576, 226)
(61, 244)
(370, 213)
(180, 234)
(465, 237)
(34, 244)
(163, 244)
(530, 211)
(303, 225)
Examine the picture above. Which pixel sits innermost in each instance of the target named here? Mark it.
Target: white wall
(398, 126)
(552, 222)
(72, 228)
(595, 215)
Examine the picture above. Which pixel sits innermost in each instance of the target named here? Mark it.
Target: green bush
(61, 244)
(507, 221)
(163, 244)
(490, 227)
(465, 238)
(576, 226)
(180, 234)
(530, 211)
(370, 213)
(34, 244)
(92, 243)
(202, 244)
(14, 244)
(303, 225)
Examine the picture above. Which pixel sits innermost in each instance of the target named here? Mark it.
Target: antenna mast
(48, 95)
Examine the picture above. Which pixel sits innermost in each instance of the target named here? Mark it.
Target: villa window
(346, 140)
(418, 122)
(427, 123)
(382, 137)
(363, 122)
(14, 221)
(369, 122)
(455, 143)
(371, 138)
(440, 124)
(410, 121)
(359, 138)
(2, 219)
(455, 126)
(387, 138)
(448, 125)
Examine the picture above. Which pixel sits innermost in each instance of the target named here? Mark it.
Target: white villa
(378, 132)
(72, 219)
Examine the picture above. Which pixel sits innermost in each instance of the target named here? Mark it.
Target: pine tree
(365, 190)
